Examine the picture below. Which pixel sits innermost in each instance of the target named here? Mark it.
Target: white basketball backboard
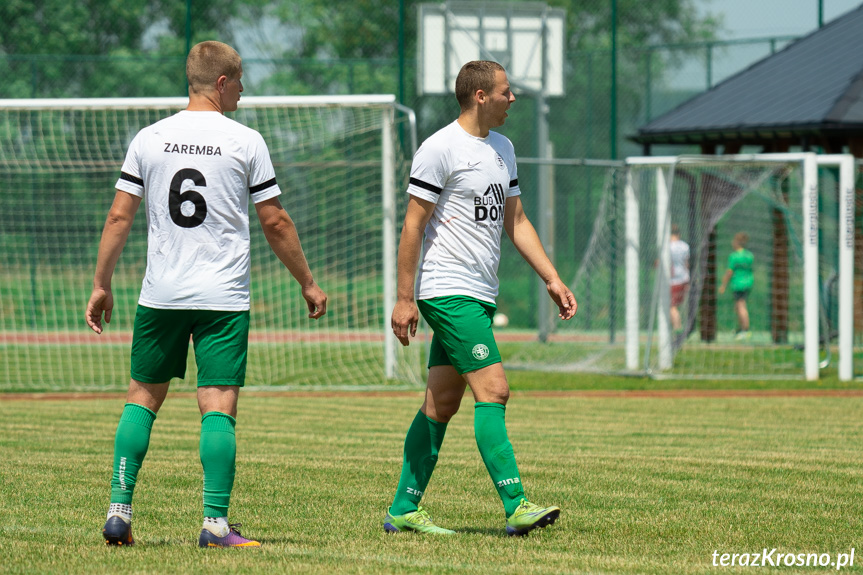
(526, 38)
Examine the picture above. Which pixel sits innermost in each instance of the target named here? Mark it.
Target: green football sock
(218, 457)
(490, 429)
(130, 447)
(422, 445)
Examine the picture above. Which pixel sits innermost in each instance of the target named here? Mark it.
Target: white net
(58, 166)
(710, 202)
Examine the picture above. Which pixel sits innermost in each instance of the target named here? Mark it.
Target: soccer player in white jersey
(198, 171)
(463, 193)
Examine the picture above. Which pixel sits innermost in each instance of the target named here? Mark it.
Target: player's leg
(465, 328)
(132, 439)
(218, 451)
(742, 313)
(444, 392)
(491, 392)
(158, 354)
(675, 318)
(218, 448)
(131, 442)
(221, 344)
(677, 294)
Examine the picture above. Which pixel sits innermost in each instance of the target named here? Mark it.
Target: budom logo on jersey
(489, 206)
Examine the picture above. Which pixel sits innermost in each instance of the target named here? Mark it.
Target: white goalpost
(341, 162)
(798, 212)
(846, 165)
(808, 192)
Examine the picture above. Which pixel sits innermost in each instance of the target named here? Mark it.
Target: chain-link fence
(656, 79)
(665, 53)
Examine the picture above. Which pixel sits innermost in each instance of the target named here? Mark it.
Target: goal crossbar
(256, 101)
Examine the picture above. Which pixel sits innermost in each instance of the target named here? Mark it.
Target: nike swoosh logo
(473, 164)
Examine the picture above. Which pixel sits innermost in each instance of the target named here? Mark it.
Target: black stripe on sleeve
(131, 178)
(426, 186)
(513, 183)
(261, 187)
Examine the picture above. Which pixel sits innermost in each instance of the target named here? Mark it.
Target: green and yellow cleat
(418, 521)
(528, 516)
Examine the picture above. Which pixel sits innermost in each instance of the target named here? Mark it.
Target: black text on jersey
(490, 204)
(193, 149)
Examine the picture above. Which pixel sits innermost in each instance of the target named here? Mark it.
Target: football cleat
(232, 539)
(418, 521)
(118, 531)
(528, 516)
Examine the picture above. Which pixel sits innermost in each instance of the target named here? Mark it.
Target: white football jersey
(469, 179)
(679, 262)
(196, 172)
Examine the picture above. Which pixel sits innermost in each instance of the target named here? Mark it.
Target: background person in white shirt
(679, 275)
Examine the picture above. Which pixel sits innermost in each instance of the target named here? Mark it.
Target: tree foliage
(133, 48)
(56, 48)
(369, 29)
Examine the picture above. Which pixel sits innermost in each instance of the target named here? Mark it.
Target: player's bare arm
(526, 241)
(405, 313)
(114, 236)
(281, 234)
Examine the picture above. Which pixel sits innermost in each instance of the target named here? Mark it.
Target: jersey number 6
(176, 198)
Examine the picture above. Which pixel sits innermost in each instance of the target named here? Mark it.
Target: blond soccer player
(198, 171)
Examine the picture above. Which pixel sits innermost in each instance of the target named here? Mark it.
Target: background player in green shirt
(739, 273)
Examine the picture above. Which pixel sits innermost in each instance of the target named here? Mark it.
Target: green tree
(56, 48)
(322, 58)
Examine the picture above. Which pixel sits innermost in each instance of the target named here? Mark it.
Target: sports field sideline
(649, 482)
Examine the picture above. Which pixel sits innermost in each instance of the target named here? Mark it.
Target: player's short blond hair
(473, 76)
(741, 239)
(209, 60)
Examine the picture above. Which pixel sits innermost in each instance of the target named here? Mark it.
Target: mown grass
(647, 485)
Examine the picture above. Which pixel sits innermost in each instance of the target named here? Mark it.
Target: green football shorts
(160, 345)
(463, 337)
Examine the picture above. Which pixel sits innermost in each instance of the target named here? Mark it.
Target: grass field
(646, 484)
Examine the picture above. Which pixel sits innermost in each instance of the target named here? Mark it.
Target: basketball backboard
(526, 38)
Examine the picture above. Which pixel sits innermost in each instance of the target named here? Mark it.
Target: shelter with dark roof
(809, 94)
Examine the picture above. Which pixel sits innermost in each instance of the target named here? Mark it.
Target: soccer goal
(801, 298)
(340, 162)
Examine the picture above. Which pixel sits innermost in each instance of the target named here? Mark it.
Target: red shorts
(678, 294)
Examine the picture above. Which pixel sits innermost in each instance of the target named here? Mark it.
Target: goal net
(340, 162)
(624, 280)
